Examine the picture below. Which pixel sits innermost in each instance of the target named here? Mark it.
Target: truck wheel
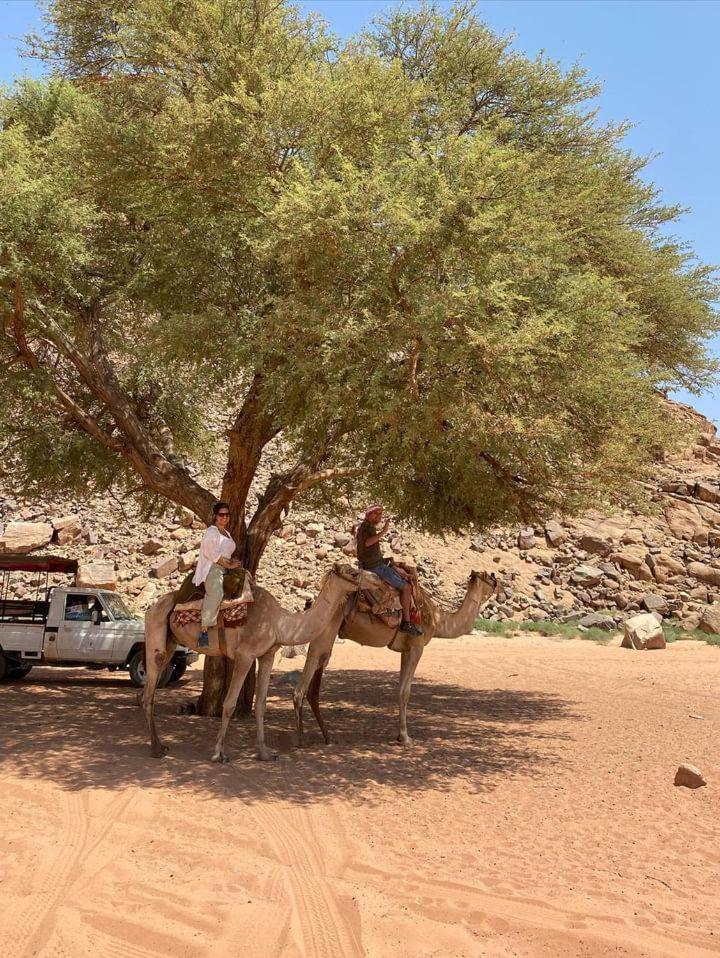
(18, 672)
(177, 670)
(3, 667)
(138, 675)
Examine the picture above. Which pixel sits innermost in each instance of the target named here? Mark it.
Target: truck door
(86, 632)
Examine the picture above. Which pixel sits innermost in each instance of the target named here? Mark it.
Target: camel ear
(474, 576)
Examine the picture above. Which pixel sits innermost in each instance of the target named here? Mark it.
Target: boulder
(165, 567)
(24, 537)
(666, 567)
(596, 545)
(187, 518)
(597, 620)
(188, 561)
(710, 620)
(586, 575)
(97, 575)
(654, 603)
(632, 537)
(633, 560)
(314, 529)
(341, 539)
(683, 518)
(643, 632)
(554, 533)
(706, 491)
(67, 529)
(151, 547)
(703, 572)
(526, 539)
(689, 776)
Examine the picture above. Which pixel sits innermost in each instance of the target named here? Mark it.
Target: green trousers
(213, 597)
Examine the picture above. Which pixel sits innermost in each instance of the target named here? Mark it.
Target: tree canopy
(416, 256)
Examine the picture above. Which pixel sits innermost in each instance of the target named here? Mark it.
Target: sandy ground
(534, 816)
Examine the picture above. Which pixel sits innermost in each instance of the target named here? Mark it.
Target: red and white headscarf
(370, 509)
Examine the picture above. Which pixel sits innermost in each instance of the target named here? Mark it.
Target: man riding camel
(370, 557)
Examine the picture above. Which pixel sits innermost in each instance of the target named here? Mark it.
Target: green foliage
(559, 630)
(424, 242)
(673, 633)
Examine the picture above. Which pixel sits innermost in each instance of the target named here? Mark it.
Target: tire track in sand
(320, 918)
(34, 923)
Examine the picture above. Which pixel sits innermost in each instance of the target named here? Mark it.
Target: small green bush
(568, 630)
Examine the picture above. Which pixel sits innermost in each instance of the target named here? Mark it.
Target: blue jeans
(389, 575)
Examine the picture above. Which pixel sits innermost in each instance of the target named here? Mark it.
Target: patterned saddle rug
(382, 601)
(237, 588)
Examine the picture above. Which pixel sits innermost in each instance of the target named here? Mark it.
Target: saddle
(237, 589)
(382, 601)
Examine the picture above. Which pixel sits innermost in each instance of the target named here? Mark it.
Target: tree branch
(159, 473)
(250, 432)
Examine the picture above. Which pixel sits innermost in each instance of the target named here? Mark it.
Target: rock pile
(596, 571)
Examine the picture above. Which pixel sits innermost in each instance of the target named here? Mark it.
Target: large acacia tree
(416, 257)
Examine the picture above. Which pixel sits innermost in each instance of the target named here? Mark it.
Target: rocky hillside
(596, 569)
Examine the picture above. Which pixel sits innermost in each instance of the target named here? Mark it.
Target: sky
(657, 61)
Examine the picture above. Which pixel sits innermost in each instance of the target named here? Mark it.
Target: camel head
(485, 583)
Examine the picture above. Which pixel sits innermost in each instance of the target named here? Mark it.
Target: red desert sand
(535, 815)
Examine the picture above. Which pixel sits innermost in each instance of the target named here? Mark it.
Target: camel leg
(265, 664)
(312, 663)
(240, 670)
(408, 663)
(313, 696)
(157, 657)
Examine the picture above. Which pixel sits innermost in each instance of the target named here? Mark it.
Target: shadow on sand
(80, 729)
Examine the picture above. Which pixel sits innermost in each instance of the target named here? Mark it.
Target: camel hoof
(187, 709)
(220, 759)
(159, 751)
(404, 740)
(267, 756)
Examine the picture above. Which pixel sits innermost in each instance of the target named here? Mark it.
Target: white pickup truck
(71, 626)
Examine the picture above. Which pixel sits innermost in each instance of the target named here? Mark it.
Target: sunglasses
(223, 515)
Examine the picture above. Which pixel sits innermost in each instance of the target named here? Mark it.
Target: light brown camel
(268, 626)
(366, 630)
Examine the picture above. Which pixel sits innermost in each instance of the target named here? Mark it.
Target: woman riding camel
(370, 557)
(216, 551)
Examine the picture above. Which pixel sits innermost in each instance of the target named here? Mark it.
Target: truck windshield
(116, 605)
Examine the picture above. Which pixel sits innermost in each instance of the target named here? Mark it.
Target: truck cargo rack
(29, 611)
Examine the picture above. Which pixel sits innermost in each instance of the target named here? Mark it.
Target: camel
(366, 630)
(268, 626)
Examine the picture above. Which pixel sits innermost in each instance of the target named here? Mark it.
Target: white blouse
(215, 545)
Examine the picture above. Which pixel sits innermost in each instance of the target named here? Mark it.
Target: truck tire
(136, 666)
(178, 668)
(3, 667)
(18, 672)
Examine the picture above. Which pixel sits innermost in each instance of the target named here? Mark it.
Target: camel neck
(325, 613)
(453, 624)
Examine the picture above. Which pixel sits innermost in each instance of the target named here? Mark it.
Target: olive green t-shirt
(368, 556)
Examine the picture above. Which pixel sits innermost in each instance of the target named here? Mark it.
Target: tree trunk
(217, 670)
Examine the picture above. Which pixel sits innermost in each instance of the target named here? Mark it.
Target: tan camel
(268, 626)
(366, 630)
